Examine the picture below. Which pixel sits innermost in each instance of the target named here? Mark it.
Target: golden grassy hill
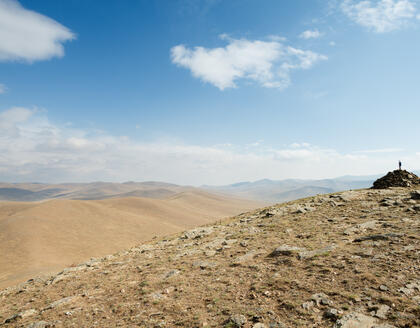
(88, 191)
(347, 260)
(43, 237)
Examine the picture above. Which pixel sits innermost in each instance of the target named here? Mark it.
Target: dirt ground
(344, 260)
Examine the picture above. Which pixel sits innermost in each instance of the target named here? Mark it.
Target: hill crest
(341, 260)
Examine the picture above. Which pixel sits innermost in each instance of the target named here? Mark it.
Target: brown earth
(44, 237)
(343, 260)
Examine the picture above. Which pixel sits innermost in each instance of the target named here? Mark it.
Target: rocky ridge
(344, 260)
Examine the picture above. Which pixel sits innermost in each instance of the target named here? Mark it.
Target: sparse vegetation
(226, 275)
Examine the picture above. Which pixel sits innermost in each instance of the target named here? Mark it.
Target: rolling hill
(88, 191)
(46, 236)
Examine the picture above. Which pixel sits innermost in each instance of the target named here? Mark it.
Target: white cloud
(311, 34)
(34, 149)
(3, 89)
(332, 44)
(383, 150)
(9, 120)
(29, 36)
(269, 63)
(380, 15)
(300, 145)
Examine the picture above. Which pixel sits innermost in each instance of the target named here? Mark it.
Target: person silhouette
(399, 165)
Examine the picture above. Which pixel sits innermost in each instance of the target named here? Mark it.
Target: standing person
(399, 165)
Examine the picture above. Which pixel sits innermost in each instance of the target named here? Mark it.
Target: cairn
(397, 178)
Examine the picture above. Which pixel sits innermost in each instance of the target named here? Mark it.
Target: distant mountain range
(88, 191)
(275, 191)
(266, 190)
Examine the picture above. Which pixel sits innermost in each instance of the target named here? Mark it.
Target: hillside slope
(345, 260)
(40, 237)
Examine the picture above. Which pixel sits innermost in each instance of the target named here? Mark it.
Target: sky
(207, 91)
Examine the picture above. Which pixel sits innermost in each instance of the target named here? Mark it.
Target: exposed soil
(343, 260)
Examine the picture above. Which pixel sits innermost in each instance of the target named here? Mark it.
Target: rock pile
(397, 178)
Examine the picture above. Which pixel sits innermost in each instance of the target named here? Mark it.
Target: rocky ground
(344, 260)
(397, 178)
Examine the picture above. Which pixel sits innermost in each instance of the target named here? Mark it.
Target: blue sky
(207, 91)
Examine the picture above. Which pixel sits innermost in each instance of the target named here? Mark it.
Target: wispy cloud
(381, 16)
(29, 36)
(3, 89)
(310, 34)
(268, 63)
(32, 148)
(383, 150)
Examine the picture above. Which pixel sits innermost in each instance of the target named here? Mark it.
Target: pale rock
(286, 250)
(409, 248)
(229, 242)
(28, 313)
(197, 233)
(80, 267)
(321, 299)
(245, 258)
(92, 262)
(355, 320)
(382, 311)
(416, 299)
(259, 325)
(210, 253)
(361, 227)
(238, 320)
(318, 252)
(308, 305)
(300, 210)
(413, 285)
(331, 314)
(169, 290)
